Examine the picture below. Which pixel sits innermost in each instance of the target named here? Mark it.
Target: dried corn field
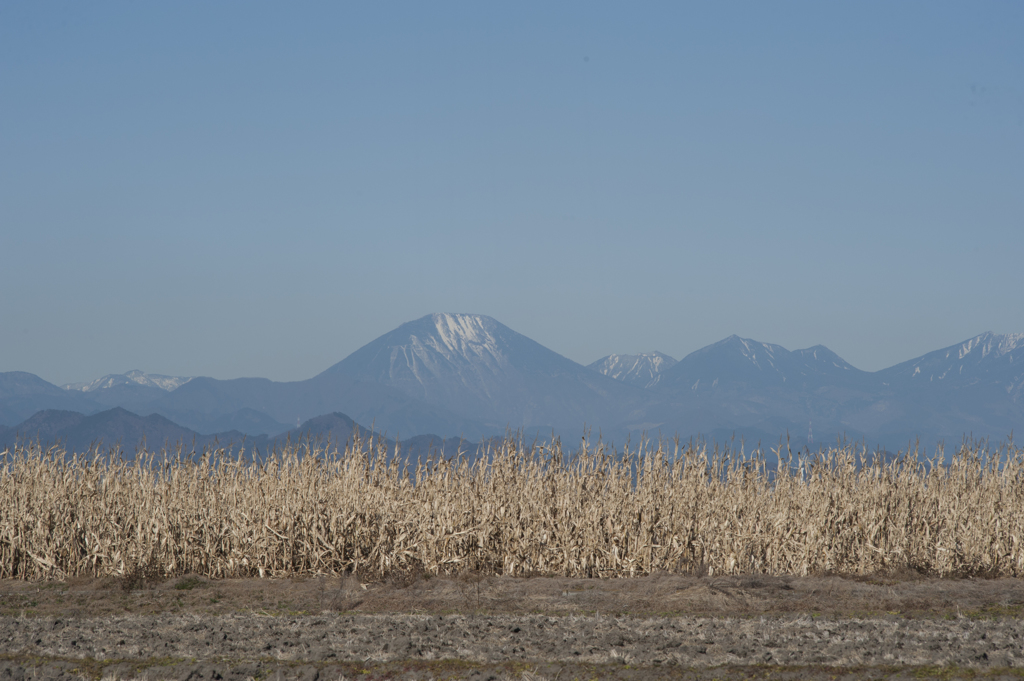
(517, 510)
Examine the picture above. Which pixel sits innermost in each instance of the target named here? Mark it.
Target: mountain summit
(440, 352)
(987, 359)
(749, 364)
(131, 378)
(643, 370)
(474, 365)
(133, 390)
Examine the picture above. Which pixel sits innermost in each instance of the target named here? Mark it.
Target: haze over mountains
(469, 375)
(119, 428)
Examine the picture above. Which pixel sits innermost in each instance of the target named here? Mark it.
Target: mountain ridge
(135, 377)
(643, 370)
(464, 375)
(127, 433)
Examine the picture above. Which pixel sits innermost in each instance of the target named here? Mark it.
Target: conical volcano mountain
(476, 366)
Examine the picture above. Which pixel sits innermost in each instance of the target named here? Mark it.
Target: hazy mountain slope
(131, 396)
(754, 388)
(120, 427)
(116, 427)
(643, 371)
(8, 416)
(742, 362)
(422, 446)
(44, 427)
(23, 394)
(743, 385)
(384, 408)
(476, 366)
(244, 420)
(132, 390)
(829, 369)
(79, 433)
(334, 430)
(974, 387)
(337, 430)
(203, 401)
(991, 361)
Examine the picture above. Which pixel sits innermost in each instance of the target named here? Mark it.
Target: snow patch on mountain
(750, 349)
(984, 358)
(993, 344)
(461, 335)
(475, 366)
(135, 376)
(457, 331)
(744, 364)
(448, 346)
(643, 370)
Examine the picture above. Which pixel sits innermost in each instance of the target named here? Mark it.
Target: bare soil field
(906, 595)
(419, 627)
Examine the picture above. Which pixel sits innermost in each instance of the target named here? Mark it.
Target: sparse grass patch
(189, 583)
(140, 576)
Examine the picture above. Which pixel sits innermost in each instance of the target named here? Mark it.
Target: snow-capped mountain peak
(643, 370)
(764, 356)
(477, 366)
(459, 333)
(424, 355)
(994, 344)
(135, 377)
(751, 348)
(984, 358)
(736, 361)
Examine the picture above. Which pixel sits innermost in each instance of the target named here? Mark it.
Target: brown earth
(417, 627)
(907, 596)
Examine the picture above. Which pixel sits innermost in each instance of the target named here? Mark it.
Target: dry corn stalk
(514, 510)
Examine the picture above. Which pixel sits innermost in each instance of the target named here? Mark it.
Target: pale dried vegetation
(518, 510)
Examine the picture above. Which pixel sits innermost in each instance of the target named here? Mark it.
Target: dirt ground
(906, 596)
(543, 628)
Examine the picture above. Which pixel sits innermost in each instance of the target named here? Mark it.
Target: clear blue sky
(258, 189)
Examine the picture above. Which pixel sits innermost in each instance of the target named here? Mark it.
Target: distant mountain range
(78, 432)
(122, 430)
(460, 375)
